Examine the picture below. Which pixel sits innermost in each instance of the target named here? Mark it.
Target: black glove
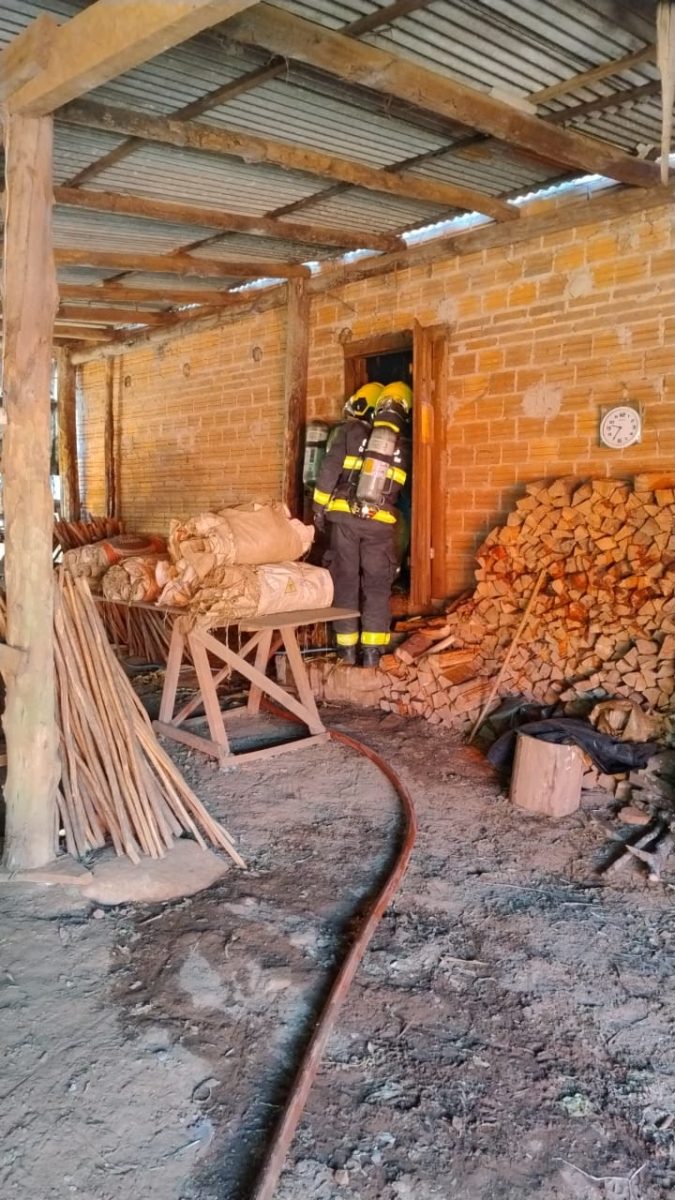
(320, 522)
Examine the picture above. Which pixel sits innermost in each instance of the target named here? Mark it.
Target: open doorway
(417, 356)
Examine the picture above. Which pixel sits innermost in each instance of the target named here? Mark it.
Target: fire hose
(369, 920)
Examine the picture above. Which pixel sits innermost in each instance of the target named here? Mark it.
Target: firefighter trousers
(362, 563)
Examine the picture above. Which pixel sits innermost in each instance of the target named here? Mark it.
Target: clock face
(620, 427)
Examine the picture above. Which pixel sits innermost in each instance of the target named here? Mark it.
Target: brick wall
(199, 423)
(541, 334)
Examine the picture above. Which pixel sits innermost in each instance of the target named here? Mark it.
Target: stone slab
(66, 871)
(184, 870)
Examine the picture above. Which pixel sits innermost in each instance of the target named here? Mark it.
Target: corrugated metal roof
(517, 45)
(191, 177)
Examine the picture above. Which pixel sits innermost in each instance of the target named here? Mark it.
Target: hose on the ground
(369, 920)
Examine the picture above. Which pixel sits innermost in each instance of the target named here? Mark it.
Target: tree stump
(546, 778)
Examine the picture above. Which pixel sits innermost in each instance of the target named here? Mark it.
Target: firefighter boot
(347, 655)
(370, 656)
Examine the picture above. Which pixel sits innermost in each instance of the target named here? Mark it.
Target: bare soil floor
(510, 1035)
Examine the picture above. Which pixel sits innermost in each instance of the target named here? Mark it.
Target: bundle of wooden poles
(117, 783)
(71, 534)
(141, 632)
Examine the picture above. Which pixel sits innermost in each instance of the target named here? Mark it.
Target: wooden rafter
(110, 37)
(245, 83)
(187, 214)
(26, 55)
(179, 264)
(194, 136)
(281, 32)
(107, 316)
(604, 70)
(574, 213)
(112, 293)
(600, 103)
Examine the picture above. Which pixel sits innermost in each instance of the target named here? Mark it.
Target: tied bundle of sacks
(95, 562)
(242, 562)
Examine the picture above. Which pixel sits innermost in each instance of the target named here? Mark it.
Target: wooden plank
(253, 149)
(107, 316)
(299, 675)
(26, 55)
(260, 664)
(190, 739)
(115, 293)
(302, 743)
(604, 70)
(197, 642)
(281, 32)
(173, 665)
(268, 686)
(309, 616)
(179, 264)
(30, 299)
(189, 214)
(111, 37)
(66, 415)
(295, 393)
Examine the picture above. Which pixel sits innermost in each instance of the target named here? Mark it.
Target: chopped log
(546, 777)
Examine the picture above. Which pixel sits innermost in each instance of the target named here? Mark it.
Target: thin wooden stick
(507, 658)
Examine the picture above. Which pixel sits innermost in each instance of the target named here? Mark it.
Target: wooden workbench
(279, 627)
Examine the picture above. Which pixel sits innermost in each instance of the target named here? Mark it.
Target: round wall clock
(620, 426)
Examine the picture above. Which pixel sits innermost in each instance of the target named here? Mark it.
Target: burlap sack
(92, 562)
(133, 580)
(247, 591)
(248, 535)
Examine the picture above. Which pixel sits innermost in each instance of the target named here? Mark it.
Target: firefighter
(356, 493)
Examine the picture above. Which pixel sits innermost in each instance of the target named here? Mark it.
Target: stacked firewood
(601, 625)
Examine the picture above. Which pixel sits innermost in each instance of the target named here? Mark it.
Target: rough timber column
(29, 305)
(295, 392)
(66, 408)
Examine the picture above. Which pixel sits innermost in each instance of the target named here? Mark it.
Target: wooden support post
(66, 410)
(29, 299)
(295, 392)
(109, 440)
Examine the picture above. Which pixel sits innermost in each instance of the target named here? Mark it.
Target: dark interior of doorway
(388, 367)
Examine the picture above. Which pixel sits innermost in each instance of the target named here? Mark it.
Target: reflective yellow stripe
(347, 639)
(397, 475)
(385, 425)
(321, 497)
(352, 463)
(386, 518)
(375, 639)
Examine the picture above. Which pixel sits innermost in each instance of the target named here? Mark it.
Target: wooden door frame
(427, 534)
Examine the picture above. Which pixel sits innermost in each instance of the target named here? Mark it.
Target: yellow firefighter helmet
(398, 395)
(362, 404)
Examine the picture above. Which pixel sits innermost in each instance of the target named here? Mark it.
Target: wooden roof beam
(109, 38)
(107, 316)
(184, 214)
(245, 83)
(178, 264)
(355, 62)
(603, 71)
(114, 294)
(192, 135)
(26, 55)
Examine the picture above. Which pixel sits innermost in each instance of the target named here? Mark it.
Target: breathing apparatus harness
(381, 468)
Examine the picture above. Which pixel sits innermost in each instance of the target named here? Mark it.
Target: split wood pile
(71, 534)
(117, 782)
(602, 625)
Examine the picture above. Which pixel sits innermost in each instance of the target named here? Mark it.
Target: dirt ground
(510, 1034)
